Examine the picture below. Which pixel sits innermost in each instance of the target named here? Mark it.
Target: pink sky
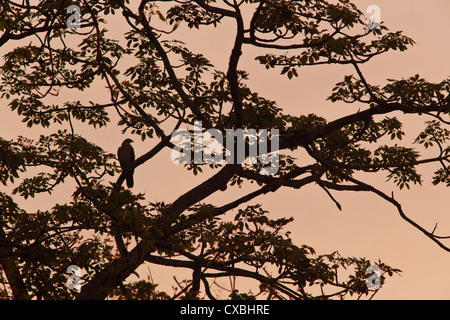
(367, 226)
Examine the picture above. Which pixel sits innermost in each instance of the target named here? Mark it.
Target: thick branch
(232, 69)
(301, 137)
(12, 272)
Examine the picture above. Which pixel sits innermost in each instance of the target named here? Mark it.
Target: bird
(125, 153)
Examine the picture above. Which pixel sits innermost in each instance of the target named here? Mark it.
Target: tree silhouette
(109, 231)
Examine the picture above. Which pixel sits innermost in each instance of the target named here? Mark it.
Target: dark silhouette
(125, 153)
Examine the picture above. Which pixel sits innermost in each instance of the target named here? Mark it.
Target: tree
(109, 231)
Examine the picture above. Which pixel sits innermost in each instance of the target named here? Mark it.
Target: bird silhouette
(125, 153)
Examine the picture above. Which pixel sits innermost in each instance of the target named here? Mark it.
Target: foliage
(110, 231)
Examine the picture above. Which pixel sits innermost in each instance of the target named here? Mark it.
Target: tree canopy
(157, 85)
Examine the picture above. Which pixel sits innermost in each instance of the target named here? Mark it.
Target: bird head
(127, 141)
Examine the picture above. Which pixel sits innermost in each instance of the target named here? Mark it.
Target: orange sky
(367, 225)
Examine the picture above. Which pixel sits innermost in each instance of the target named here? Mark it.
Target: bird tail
(130, 181)
(129, 177)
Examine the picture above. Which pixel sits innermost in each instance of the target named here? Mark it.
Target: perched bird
(125, 153)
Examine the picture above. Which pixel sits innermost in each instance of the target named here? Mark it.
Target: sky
(367, 226)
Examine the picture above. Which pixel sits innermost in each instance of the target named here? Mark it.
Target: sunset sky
(367, 226)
